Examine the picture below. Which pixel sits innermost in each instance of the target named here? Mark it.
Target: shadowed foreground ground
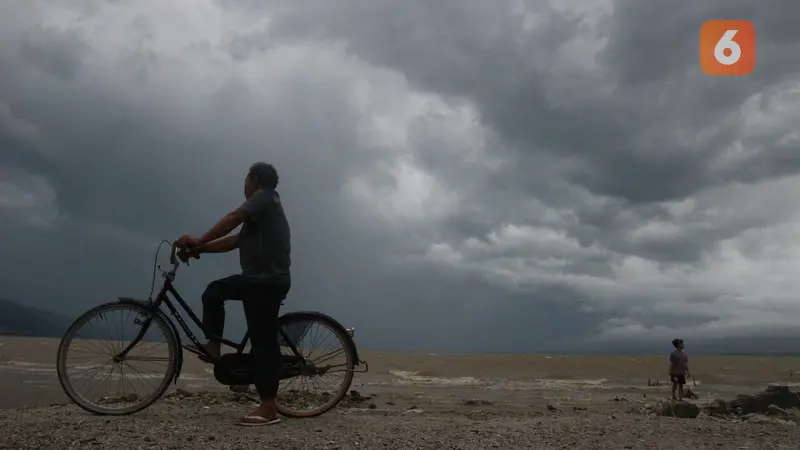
(415, 401)
(207, 422)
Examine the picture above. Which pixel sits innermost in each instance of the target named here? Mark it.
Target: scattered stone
(763, 419)
(621, 399)
(578, 408)
(476, 402)
(681, 410)
(718, 406)
(775, 401)
(239, 388)
(756, 418)
(774, 410)
(636, 410)
(182, 393)
(644, 410)
(355, 399)
(551, 407)
(776, 395)
(115, 399)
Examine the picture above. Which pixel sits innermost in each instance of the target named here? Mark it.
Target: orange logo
(727, 47)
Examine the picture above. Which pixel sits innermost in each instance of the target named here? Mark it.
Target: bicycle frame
(163, 298)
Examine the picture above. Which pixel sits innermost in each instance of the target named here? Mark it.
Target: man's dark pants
(262, 303)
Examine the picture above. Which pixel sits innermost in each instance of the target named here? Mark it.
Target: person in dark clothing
(264, 255)
(678, 368)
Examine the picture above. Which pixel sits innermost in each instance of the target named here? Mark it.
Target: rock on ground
(780, 396)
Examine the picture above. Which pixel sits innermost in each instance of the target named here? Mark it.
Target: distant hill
(19, 320)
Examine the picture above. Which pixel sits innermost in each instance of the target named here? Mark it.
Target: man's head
(677, 343)
(260, 176)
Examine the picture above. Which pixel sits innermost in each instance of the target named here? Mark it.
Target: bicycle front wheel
(97, 378)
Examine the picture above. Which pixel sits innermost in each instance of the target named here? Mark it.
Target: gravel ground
(208, 421)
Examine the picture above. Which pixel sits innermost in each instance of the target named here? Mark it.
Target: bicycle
(232, 369)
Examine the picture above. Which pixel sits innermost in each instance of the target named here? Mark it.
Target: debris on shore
(776, 404)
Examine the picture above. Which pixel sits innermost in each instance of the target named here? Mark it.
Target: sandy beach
(417, 401)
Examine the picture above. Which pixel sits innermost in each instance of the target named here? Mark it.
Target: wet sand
(28, 377)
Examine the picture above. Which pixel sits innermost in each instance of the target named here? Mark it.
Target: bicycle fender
(333, 322)
(147, 305)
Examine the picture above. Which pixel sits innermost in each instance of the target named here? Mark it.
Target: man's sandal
(257, 421)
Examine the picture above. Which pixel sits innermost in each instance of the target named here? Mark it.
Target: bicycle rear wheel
(317, 382)
(96, 379)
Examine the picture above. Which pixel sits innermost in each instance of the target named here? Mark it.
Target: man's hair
(264, 175)
(677, 342)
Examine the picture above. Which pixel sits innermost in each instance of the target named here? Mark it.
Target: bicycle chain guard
(235, 368)
(239, 368)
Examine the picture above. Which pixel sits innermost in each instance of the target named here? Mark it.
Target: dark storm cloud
(639, 143)
(465, 168)
(626, 140)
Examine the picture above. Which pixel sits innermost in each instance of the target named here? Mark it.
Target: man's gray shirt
(265, 239)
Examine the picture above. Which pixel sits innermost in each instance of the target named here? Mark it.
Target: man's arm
(228, 223)
(221, 245)
(252, 207)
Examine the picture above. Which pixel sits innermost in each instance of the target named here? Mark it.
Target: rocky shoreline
(777, 404)
(185, 419)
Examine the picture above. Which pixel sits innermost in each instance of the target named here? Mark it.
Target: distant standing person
(678, 368)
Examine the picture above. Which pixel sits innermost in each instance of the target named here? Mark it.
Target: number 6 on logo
(727, 47)
(727, 43)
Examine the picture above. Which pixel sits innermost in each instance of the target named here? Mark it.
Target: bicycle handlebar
(173, 255)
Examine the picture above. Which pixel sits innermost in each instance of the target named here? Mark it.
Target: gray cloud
(458, 174)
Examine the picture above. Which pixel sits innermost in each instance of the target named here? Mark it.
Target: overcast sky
(459, 174)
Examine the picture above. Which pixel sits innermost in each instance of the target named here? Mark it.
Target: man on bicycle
(264, 254)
